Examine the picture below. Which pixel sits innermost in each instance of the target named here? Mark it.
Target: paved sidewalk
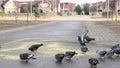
(103, 34)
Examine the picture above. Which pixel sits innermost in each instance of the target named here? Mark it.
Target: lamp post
(108, 9)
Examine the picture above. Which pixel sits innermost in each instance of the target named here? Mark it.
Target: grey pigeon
(102, 53)
(117, 51)
(34, 47)
(84, 49)
(70, 54)
(59, 57)
(93, 62)
(115, 46)
(26, 57)
(110, 53)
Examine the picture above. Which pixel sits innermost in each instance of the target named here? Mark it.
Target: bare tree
(116, 13)
(112, 7)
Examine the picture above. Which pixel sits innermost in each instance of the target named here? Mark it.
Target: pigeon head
(93, 62)
(41, 45)
(75, 52)
(117, 51)
(59, 57)
(84, 49)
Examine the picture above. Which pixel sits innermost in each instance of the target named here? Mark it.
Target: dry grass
(109, 22)
(7, 24)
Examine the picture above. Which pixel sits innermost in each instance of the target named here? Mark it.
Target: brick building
(67, 7)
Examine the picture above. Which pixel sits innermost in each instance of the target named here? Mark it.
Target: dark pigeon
(59, 57)
(84, 49)
(115, 46)
(26, 57)
(70, 54)
(110, 53)
(34, 47)
(93, 62)
(117, 51)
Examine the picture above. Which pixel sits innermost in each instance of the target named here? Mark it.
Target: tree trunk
(27, 17)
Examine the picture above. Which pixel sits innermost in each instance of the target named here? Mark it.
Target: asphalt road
(57, 37)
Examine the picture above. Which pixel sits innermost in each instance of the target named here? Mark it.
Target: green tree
(78, 9)
(37, 12)
(86, 8)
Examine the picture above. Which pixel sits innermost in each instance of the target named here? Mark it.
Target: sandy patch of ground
(8, 24)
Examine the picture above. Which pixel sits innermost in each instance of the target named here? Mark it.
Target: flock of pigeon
(115, 49)
(83, 39)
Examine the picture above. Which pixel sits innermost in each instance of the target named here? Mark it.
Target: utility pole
(59, 8)
(89, 8)
(108, 9)
(55, 6)
(97, 8)
(116, 9)
(31, 10)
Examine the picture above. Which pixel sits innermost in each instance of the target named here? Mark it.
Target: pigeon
(59, 57)
(82, 43)
(115, 46)
(26, 57)
(70, 54)
(84, 49)
(102, 53)
(110, 53)
(34, 47)
(117, 51)
(93, 62)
